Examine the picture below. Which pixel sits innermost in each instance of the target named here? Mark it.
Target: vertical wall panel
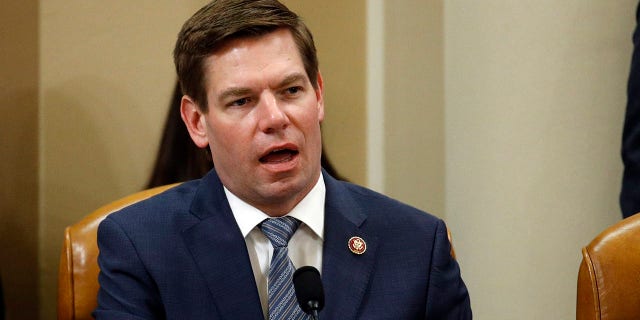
(414, 103)
(106, 79)
(535, 95)
(19, 158)
(338, 28)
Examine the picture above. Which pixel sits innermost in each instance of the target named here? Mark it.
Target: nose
(272, 117)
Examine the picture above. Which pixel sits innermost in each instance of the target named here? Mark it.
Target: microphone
(308, 286)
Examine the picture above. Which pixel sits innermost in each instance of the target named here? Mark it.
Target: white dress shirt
(305, 246)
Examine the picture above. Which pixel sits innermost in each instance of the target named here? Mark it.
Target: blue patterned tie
(282, 297)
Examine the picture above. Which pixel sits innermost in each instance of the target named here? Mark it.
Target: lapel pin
(357, 245)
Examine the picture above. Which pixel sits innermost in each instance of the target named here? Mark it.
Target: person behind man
(225, 246)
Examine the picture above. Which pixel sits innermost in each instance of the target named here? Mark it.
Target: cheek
(309, 116)
(233, 142)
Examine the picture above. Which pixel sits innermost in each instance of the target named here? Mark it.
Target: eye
(239, 102)
(293, 90)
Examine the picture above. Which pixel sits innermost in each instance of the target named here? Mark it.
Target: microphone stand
(313, 306)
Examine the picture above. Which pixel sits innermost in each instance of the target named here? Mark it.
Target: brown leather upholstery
(78, 273)
(453, 252)
(609, 275)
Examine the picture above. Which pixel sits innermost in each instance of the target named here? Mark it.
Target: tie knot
(279, 230)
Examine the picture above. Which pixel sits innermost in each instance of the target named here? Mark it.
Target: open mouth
(279, 156)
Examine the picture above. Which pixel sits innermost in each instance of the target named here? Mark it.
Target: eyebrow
(242, 91)
(234, 92)
(291, 79)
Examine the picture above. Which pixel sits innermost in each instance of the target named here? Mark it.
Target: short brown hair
(223, 20)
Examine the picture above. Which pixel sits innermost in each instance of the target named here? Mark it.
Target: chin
(287, 187)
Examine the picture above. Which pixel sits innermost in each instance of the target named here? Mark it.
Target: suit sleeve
(630, 192)
(126, 289)
(447, 296)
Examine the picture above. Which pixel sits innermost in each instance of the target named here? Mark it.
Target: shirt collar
(310, 210)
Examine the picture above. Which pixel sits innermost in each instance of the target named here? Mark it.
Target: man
(206, 249)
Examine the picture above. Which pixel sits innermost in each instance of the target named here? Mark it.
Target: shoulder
(379, 210)
(162, 209)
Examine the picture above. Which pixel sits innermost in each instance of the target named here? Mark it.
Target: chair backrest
(609, 275)
(450, 237)
(78, 272)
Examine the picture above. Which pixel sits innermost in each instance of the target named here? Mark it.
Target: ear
(320, 98)
(195, 121)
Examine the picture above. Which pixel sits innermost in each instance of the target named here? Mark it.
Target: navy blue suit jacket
(630, 191)
(181, 255)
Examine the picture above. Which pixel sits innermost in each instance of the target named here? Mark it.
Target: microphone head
(308, 286)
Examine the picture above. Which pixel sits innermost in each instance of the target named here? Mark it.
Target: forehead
(268, 54)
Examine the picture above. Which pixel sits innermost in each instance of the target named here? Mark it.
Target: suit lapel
(345, 275)
(219, 251)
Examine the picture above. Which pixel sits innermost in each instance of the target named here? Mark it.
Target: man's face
(263, 121)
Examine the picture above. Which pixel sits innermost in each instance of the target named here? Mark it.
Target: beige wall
(534, 102)
(19, 157)
(339, 27)
(414, 103)
(106, 75)
(504, 118)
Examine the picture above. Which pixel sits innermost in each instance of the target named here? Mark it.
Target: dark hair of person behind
(221, 21)
(178, 158)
